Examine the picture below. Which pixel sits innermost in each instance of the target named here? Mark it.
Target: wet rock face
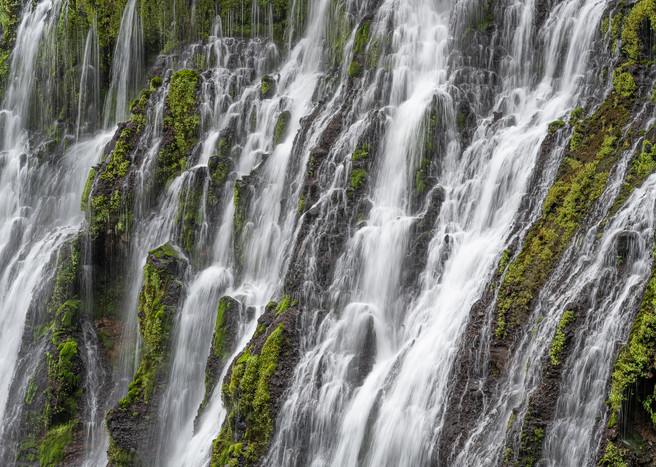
(131, 421)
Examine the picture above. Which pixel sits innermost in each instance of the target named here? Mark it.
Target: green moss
(636, 358)
(361, 37)
(247, 396)
(301, 204)
(555, 126)
(505, 259)
(266, 86)
(282, 127)
(558, 342)
(120, 457)
(624, 84)
(642, 12)
(355, 69)
(641, 166)
(31, 392)
(182, 121)
(51, 449)
(156, 82)
(284, 304)
(580, 181)
(87, 189)
(358, 178)
(361, 152)
(612, 457)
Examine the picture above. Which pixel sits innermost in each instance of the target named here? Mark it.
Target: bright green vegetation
(267, 86)
(247, 399)
(558, 342)
(284, 304)
(581, 179)
(282, 127)
(624, 84)
(358, 178)
(612, 457)
(241, 200)
(156, 82)
(221, 347)
(87, 189)
(361, 152)
(643, 11)
(51, 449)
(355, 69)
(155, 322)
(362, 37)
(505, 258)
(555, 126)
(642, 165)
(52, 416)
(637, 358)
(183, 122)
(530, 449)
(120, 457)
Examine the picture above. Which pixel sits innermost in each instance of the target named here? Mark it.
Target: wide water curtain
(327, 233)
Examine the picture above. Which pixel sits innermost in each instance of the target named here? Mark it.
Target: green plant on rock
(282, 127)
(182, 123)
(358, 178)
(641, 12)
(624, 84)
(612, 457)
(555, 126)
(247, 396)
(558, 342)
(642, 165)
(636, 358)
(580, 181)
(361, 152)
(51, 449)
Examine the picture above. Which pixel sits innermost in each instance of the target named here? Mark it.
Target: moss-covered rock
(159, 299)
(181, 121)
(253, 387)
(282, 127)
(223, 343)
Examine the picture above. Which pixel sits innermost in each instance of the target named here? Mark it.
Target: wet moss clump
(558, 342)
(282, 127)
(222, 344)
(246, 397)
(181, 121)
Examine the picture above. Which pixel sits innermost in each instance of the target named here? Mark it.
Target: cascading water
(372, 168)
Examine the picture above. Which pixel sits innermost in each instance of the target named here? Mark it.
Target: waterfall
(362, 182)
(127, 67)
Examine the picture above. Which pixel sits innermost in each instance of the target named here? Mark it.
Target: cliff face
(327, 232)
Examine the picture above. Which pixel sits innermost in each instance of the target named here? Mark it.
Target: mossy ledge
(129, 421)
(181, 121)
(253, 387)
(223, 343)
